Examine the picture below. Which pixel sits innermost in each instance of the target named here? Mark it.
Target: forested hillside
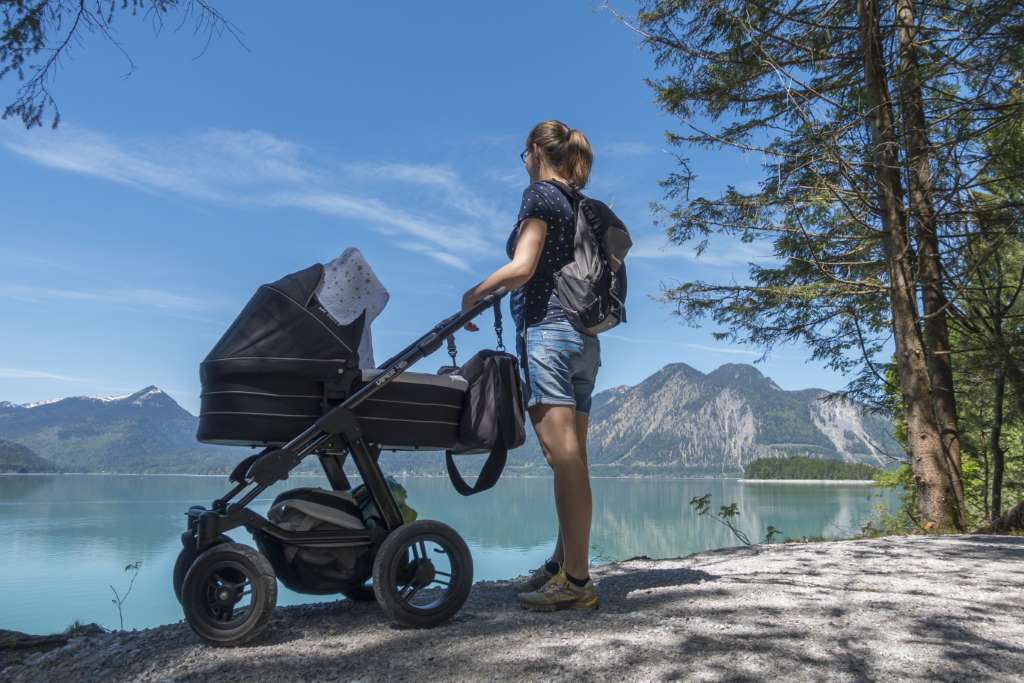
(797, 467)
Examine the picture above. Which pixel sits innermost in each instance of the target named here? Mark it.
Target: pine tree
(870, 117)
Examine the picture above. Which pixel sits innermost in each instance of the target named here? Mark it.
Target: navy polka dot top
(536, 301)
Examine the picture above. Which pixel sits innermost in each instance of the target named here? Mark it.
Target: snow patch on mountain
(137, 398)
(140, 397)
(36, 404)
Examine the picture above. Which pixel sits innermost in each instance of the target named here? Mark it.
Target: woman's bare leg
(581, 436)
(556, 431)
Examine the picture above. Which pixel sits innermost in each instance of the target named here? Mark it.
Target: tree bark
(998, 459)
(937, 497)
(922, 213)
(1011, 521)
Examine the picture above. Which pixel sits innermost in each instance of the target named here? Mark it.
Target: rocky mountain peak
(149, 395)
(741, 375)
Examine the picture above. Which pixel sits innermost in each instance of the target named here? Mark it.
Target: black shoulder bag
(492, 415)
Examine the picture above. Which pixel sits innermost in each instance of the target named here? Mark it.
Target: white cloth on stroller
(350, 287)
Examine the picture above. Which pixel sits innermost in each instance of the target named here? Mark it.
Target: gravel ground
(936, 608)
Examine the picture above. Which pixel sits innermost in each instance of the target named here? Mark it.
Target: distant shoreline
(859, 482)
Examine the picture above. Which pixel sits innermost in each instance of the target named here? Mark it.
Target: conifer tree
(870, 118)
(38, 35)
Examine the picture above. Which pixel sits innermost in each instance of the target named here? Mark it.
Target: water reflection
(66, 538)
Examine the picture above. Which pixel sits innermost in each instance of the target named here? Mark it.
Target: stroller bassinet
(294, 374)
(293, 353)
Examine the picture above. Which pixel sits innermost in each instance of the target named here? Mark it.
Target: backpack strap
(570, 192)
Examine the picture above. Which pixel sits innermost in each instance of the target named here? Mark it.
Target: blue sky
(132, 235)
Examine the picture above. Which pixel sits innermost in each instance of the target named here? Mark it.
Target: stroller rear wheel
(422, 573)
(229, 594)
(185, 559)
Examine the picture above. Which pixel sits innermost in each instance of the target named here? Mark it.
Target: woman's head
(564, 150)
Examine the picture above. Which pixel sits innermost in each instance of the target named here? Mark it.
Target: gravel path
(938, 608)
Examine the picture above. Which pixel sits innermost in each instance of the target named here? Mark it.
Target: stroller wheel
(229, 594)
(359, 592)
(422, 573)
(185, 559)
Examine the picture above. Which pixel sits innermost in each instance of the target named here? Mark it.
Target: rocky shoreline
(908, 608)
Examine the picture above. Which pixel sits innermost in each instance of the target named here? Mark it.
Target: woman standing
(559, 363)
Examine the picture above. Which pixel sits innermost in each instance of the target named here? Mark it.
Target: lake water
(65, 538)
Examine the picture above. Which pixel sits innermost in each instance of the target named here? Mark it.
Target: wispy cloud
(509, 177)
(721, 254)
(209, 165)
(724, 349)
(443, 257)
(391, 220)
(633, 339)
(17, 259)
(256, 167)
(21, 373)
(625, 149)
(452, 190)
(149, 298)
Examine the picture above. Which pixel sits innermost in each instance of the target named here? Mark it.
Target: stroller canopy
(282, 364)
(312, 322)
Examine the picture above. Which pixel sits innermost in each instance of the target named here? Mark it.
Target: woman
(559, 363)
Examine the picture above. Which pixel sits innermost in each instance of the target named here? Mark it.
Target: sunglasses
(522, 155)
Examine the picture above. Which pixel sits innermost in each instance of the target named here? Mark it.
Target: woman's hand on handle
(468, 299)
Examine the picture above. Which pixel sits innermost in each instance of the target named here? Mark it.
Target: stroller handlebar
(432, 340)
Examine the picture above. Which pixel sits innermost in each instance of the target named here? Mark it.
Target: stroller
(286, 377)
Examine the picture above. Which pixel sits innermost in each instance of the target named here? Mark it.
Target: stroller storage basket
(415, 410)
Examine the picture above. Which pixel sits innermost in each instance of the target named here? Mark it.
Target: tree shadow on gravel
(967, 654)
(673, 622)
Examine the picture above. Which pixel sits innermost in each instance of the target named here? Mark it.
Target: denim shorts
(559, 365)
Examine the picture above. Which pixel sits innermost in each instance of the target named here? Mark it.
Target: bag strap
(489, 473)
(495, 463)
(497, 325)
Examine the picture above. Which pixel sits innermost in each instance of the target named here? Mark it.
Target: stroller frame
(332, 437)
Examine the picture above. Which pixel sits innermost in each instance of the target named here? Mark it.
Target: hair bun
(565, 148)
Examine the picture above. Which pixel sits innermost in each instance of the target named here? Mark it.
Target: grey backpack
(592, 287)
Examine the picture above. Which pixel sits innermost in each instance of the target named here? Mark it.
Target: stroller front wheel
(422, 573)
(229, 594)
(184, 561)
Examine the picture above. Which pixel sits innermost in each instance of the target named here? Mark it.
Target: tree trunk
(1016, 377)
(1011, 521)
(936, 495)
(933, 297)
(998, 459)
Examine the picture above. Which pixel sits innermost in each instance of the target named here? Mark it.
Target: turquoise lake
(66, 538)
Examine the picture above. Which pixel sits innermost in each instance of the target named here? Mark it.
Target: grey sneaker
(538, 577)
(560, 593)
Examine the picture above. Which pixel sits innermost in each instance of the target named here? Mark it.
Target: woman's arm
(518, 271)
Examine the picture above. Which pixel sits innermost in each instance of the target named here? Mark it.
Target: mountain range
(678, 421)
(141, 433)
(20, 459)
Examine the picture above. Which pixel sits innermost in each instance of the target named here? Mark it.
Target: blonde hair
(566, 149)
